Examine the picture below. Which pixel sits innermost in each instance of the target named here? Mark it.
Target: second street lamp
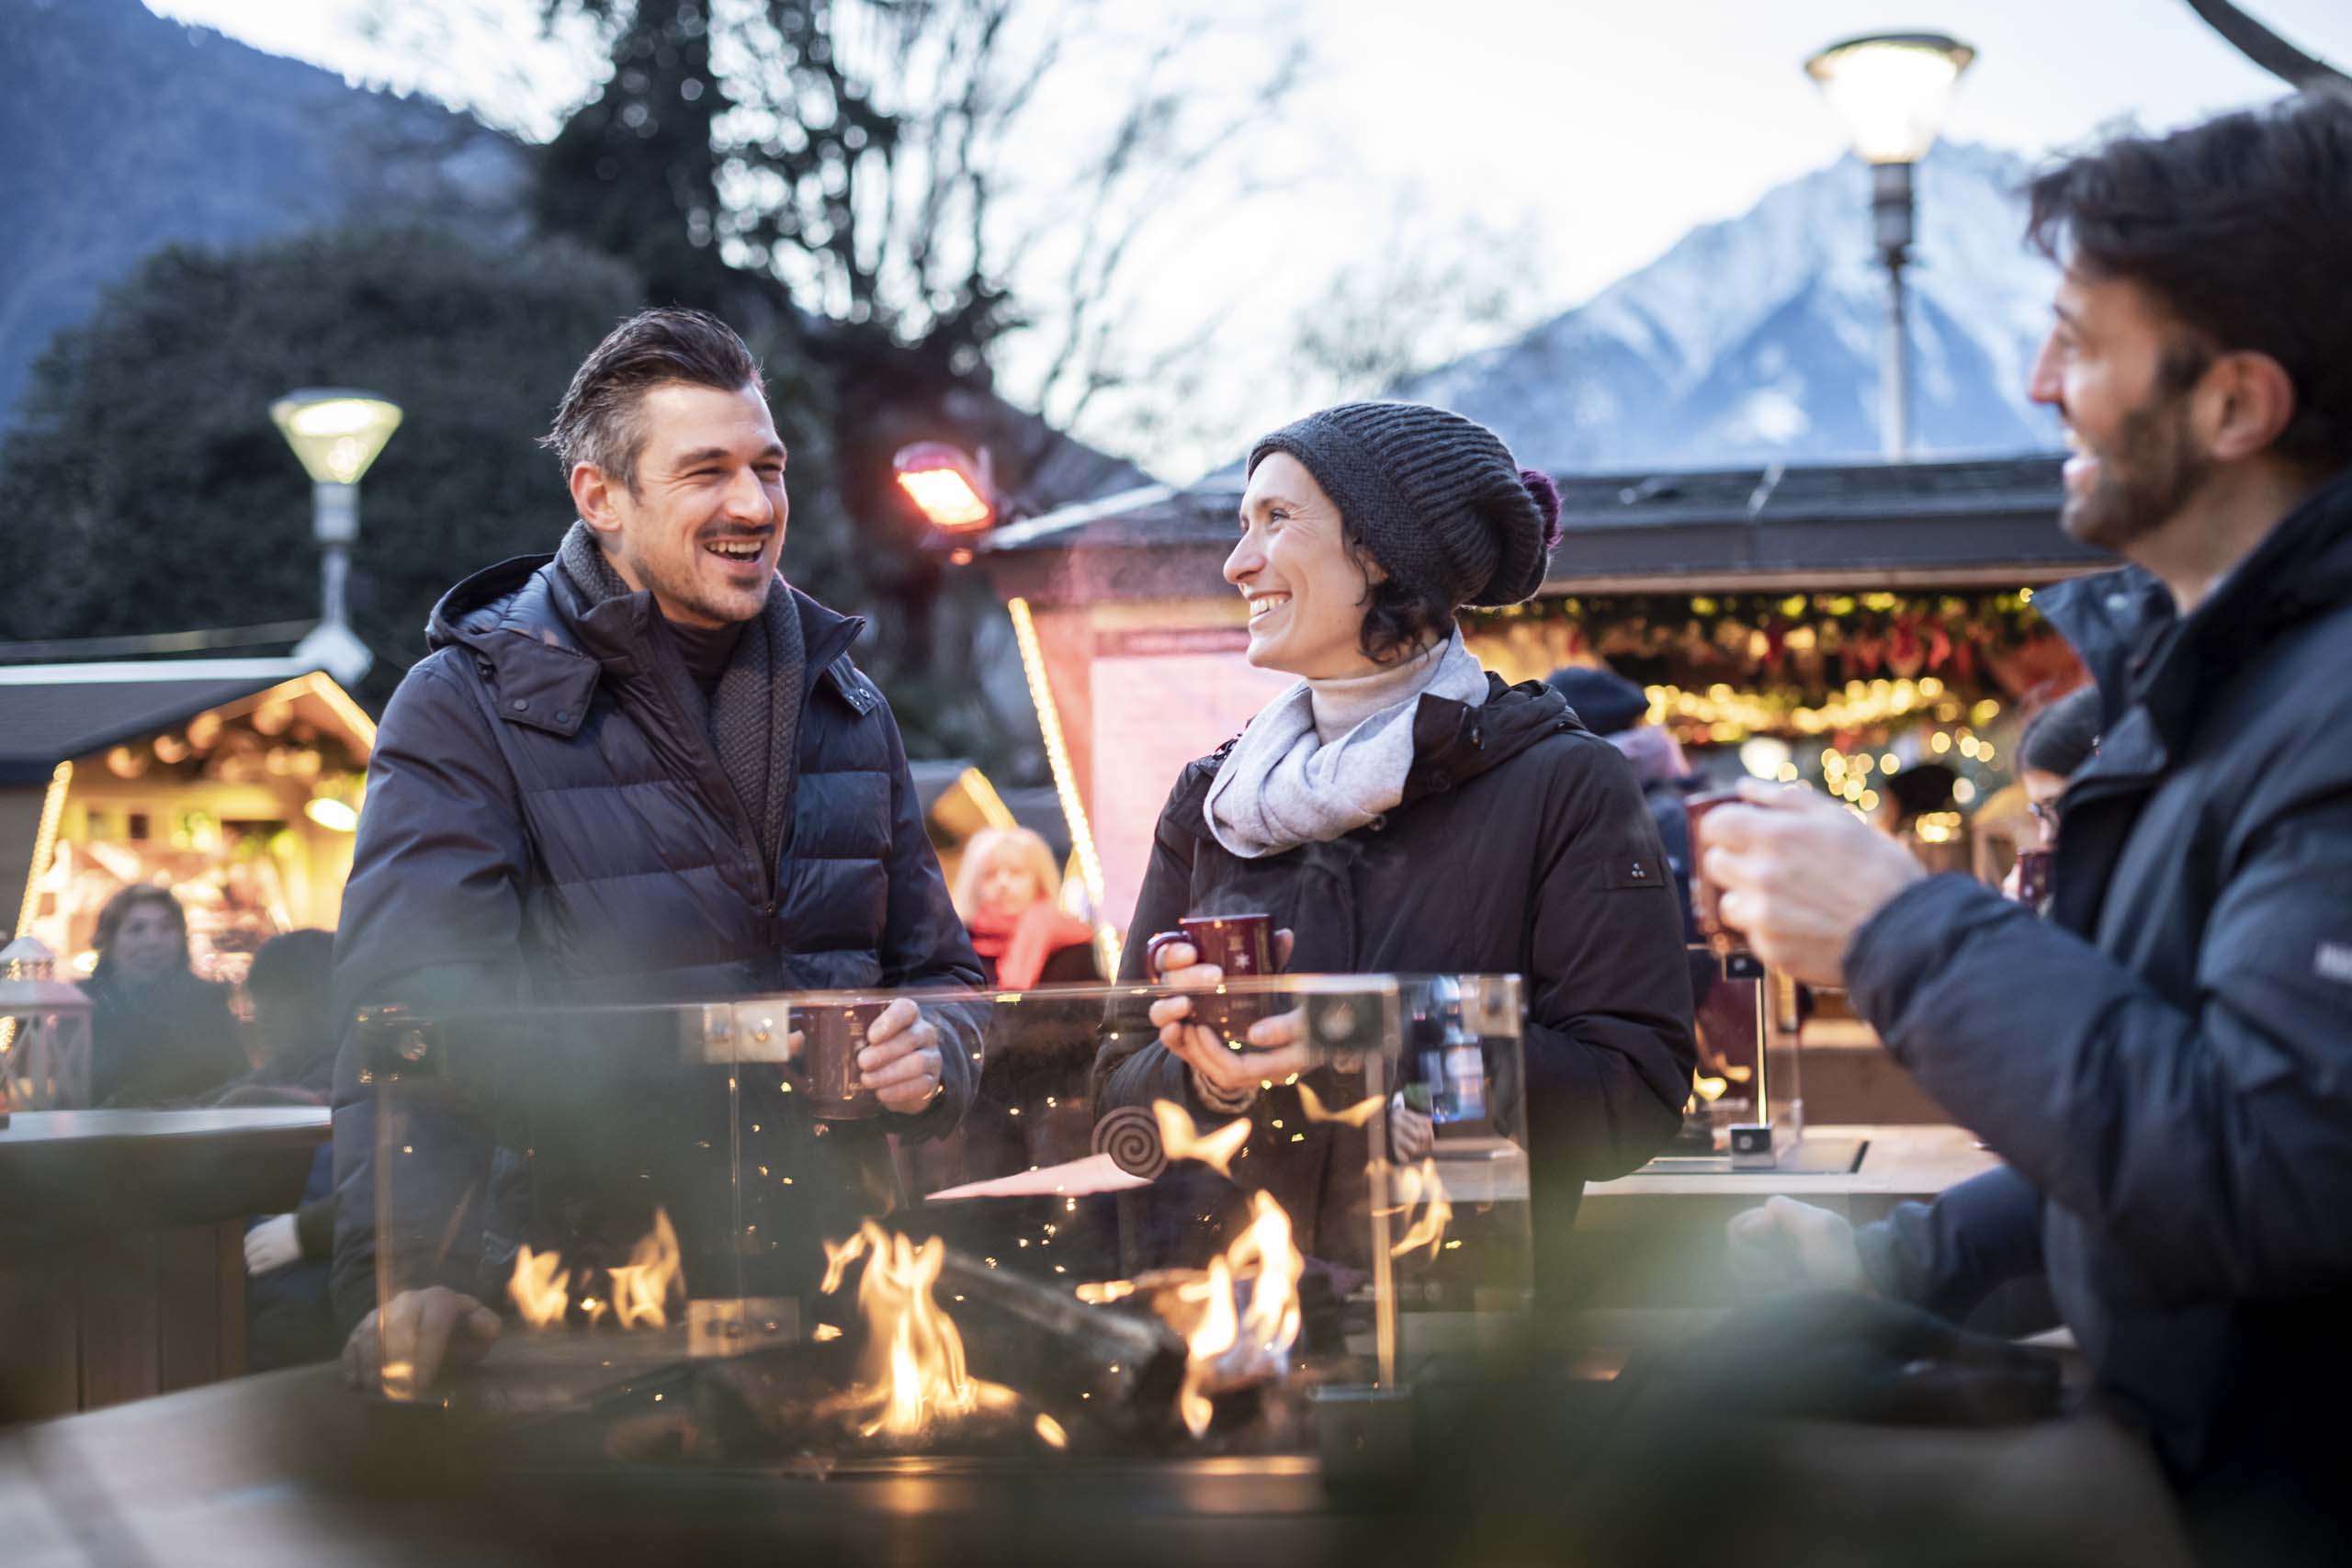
(337, 433)
(1893, 90)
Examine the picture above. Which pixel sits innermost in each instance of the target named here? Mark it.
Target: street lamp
(337, 433)
(1893, 90)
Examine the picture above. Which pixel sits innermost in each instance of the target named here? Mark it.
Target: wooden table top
(304, 1124)
(67, 1172)
(1899, 1162)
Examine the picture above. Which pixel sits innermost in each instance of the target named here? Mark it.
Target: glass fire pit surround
(708, 1245)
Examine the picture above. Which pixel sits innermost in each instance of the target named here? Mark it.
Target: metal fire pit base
(1364, 1435)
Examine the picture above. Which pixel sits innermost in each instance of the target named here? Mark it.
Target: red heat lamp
(948, 485)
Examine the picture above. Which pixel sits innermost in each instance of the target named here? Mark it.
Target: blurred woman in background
(157, 1032)
(1008, 893)
(1031, 1109)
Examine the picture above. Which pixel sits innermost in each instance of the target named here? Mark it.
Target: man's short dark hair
(2242, 226)
(600, 418)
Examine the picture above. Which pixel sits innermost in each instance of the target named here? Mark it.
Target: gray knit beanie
(1437, 498)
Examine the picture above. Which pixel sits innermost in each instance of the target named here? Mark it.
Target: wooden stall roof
(53, 713)
(1985, 522)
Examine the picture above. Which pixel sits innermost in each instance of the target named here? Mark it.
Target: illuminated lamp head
(948, 485)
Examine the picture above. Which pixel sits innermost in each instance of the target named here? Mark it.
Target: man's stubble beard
(2144, 481)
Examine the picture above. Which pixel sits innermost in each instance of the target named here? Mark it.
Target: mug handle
(1151, 950)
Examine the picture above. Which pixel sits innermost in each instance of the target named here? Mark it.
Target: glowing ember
(914, 1373)
(541, 1292)
(1418, 1184)
(1353, 1116)
(1105, 1292)
(642, 1287)
(1051, 1430)
(1214, 1150)
(827, 1331)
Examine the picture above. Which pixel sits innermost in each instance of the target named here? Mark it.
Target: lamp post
(1892, 90)
(337, 433)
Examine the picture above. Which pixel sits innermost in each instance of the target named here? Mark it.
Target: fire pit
(701, 1264)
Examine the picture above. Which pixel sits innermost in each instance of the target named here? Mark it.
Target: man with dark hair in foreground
(2166, 1064)
(642, 770)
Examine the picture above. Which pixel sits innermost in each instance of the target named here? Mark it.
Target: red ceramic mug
(1707, 899)
(2033, 878)
(831, 1038)
(1240, 945)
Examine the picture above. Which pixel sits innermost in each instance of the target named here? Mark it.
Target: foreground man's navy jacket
(2168, 1066)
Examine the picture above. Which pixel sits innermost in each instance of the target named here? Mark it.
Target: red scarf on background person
(1021, 943)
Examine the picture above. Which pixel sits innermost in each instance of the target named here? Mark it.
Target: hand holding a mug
(1799, 874)
(901, 1063)
(1220, 1068)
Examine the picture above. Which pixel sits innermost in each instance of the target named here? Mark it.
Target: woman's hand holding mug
(1225, 1070)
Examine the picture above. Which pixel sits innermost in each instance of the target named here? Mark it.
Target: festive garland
(1778, 654)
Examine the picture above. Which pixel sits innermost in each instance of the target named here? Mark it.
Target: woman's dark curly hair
(1399, 619)
(118, 909)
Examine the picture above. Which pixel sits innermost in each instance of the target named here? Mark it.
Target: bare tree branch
(2266, 48)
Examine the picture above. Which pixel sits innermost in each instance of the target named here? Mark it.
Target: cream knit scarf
(1327, 756)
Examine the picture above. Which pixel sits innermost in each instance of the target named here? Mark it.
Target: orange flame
(1214, 1150)
(1709, 1089)
(839, 1259)
(1418, 1184)
(1220, 1328)
(1353, 1116)
(540, 1292)
(915, 1375)
(642, 1287)
(1263, 1253)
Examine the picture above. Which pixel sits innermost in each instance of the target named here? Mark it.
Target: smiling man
(2166, 1064)
(644, 769)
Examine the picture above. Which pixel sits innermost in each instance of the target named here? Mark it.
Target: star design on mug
(1241, 963)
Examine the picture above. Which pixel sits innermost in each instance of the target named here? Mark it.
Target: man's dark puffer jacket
(545, 826)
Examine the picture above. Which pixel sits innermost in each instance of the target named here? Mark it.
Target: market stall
(234, 782)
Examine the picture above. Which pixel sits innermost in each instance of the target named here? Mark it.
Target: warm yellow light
(1050, 726)
(336, 434)
(1892, 90)
(993, 808)
(52, 808)
(947, 498)
(1939, 742)
(335, 816)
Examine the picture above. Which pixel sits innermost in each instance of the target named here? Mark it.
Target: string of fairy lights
(1845, 690)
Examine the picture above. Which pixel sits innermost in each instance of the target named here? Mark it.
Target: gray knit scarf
(1327, 756)
(754, 718)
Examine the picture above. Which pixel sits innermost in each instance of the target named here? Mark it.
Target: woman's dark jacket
(1521, 846)
(169, 1039)
(546, 825)
(2166, 1066)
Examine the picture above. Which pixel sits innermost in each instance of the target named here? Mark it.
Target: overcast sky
(1602, 129)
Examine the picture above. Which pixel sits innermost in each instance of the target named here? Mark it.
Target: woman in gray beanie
(1401, 810)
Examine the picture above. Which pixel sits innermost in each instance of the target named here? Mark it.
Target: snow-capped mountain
(1757, 339)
